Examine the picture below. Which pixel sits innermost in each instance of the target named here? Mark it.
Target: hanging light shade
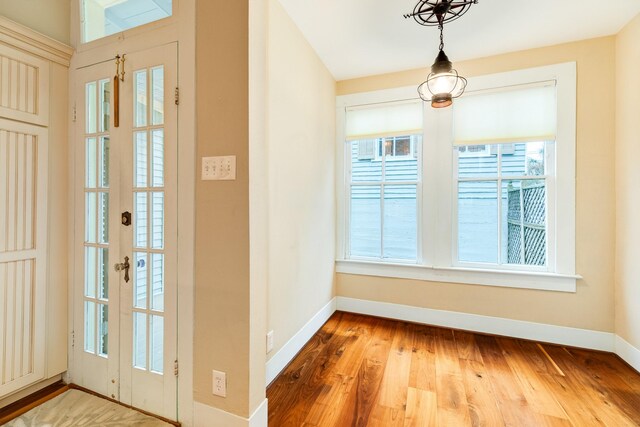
(443, 84)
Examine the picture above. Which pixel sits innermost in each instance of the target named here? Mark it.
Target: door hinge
(177, 96)
(175, 368)
(74, 114)
(73, 339)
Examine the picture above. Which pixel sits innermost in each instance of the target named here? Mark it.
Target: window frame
(437, 240)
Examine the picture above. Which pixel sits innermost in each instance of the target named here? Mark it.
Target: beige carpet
(76, 408)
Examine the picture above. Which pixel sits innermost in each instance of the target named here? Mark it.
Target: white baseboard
(574, 337)
(208, 416)
(281, 359)
(628, 353)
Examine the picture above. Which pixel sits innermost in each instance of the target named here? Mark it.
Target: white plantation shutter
(384, 120)
(507, 115)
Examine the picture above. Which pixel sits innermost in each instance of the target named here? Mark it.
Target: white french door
(125, 308)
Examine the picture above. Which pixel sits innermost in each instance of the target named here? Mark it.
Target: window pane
(140, 159)
(404, 165)
(524, 237)
(523, 159)
(105, 91)
(157, 96)
(103, 273)
(478, 221)
(400, 222)
(103, 217)
(104, 18)
(103, 332)
(89, 326)
(104, 162)
(157, 220)
(90, 255)
(140, 280)
(476, 161)
(157, 282)
(364, 166)
(140, 215)
(90, 217)
(157, 343)
(91, 107)
(140, 112)
(365, 221)
(157, 147)
(140, 340)
(91, 159)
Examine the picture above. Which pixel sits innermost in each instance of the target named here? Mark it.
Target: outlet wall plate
(219, 383)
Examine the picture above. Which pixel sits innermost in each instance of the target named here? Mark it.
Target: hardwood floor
(365, 371)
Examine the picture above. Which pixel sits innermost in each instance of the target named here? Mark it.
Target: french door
(125, 308)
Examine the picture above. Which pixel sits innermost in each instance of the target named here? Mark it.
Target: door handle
(123, 266)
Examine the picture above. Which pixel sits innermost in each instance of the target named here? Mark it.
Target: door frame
(182, 31)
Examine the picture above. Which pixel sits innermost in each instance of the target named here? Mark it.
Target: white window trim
(435, 221)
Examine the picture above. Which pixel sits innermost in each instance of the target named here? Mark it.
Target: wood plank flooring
(366, 371)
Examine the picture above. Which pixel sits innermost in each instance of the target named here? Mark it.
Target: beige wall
(300, 156)
(592, 306)
(628, 184)
(223, 298)
(49, 17)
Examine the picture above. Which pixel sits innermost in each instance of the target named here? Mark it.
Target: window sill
(499, 278)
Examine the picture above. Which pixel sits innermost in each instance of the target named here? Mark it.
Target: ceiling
(357, 38)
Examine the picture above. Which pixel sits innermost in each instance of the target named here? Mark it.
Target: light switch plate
(269, 341)
(219, 168)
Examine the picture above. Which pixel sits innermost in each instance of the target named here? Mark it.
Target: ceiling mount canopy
(434, 13)
(444, 83)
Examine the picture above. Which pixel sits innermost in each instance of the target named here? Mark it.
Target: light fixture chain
(441, 28)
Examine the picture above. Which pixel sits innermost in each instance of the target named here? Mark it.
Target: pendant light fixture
(444, 83)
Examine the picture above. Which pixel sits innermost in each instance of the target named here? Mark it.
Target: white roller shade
(382, 120)
(506, 115)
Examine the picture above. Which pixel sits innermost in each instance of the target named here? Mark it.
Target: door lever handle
(123, 266)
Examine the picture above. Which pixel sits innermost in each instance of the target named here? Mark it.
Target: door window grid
(96, 241)
(148, 202)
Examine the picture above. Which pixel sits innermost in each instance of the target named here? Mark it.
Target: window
(102, 18)
(488, 199)
(384, 174)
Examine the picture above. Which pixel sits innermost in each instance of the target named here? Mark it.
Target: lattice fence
(526, 232)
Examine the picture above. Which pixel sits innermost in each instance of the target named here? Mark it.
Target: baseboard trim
(208, 416)
(285, 355)
(595, 340)
(628, 353)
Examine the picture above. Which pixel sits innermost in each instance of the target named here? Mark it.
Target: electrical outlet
(269, 341)
(219, 383)
(221, 168)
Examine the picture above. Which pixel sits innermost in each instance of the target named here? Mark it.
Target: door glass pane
(90, 164)
(157, 282)
(157, 155)
(103, 217)
(90, 326)
(91, 107)
(90, 218)
(140, 159)
(478, 221)
(157, 220)
(140, 340)
(141, 216)
(104, 162)
(90, 255)
(157, 96)
(105, 107)
(365, 221)
(140, 99)
(103, 273)
(102, 18)
(157, 343)
(140, 280)
(103, 330)
(400, 222)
